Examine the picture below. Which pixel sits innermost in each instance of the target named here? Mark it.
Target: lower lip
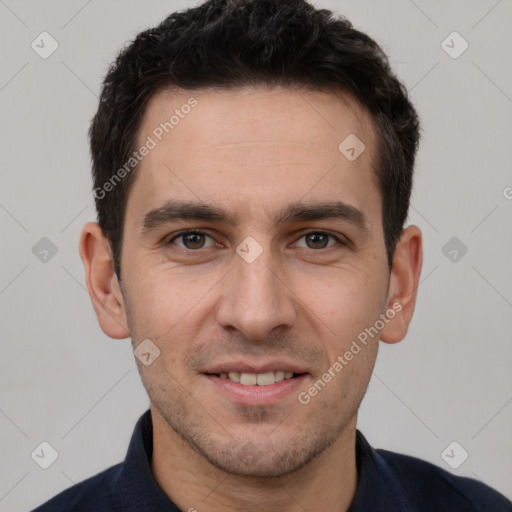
(256, 395)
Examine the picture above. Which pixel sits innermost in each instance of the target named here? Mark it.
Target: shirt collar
(136, 488)
(378, 489)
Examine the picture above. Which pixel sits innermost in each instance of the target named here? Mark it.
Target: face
(284, 265)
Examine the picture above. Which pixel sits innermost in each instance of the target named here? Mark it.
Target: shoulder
(94, 493)
(430, 487)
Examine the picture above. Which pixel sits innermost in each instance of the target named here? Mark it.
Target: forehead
(270, 146)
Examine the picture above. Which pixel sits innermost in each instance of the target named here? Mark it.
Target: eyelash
(196, 232)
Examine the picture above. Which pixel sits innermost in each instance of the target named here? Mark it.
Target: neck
(327, 483)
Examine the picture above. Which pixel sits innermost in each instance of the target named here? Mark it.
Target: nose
(256, 297)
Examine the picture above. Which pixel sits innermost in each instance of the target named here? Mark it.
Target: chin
(263, 459)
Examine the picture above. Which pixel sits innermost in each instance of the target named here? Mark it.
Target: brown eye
(319, 240)
(191, 240)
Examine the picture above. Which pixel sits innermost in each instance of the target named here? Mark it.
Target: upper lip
(261, 367)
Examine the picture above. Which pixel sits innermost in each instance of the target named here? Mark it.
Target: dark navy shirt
(387, 482)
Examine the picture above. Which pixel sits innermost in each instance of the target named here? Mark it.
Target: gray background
(63, 381)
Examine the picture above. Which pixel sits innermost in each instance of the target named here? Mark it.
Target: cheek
(167, 304)
(343, 304)
(154, 306)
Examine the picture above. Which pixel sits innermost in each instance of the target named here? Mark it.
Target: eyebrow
(175, 210)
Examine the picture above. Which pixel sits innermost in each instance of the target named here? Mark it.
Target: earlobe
(101, 282)
(403, 286)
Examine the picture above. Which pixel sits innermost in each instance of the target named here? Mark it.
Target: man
(252, 165)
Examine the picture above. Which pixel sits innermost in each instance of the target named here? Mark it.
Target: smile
(256, 389)
(257, 379)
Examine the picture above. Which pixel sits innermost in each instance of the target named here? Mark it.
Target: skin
(253, 151)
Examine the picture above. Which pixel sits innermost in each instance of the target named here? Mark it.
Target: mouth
(251, 385)
(257, 379)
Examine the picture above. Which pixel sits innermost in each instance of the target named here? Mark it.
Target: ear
(102, 282)
(403, 284)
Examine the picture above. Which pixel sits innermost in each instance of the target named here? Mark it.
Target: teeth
(234, 376)
(260, 379)
(263, 379)
(248, 379)
(279, 375)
